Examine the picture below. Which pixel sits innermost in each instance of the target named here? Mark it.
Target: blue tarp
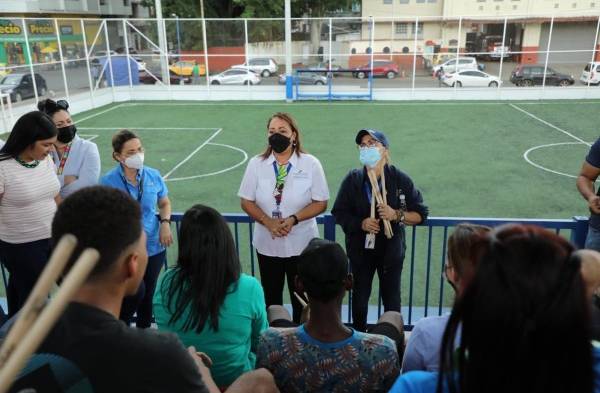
(120, 73)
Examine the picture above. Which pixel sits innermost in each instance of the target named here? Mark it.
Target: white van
(591, 73)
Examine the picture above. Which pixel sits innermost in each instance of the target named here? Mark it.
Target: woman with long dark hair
(207, 301)
(29, 193)
(523, 322)
(77, 160)
(283, 190)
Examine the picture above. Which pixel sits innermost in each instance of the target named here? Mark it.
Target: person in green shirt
(207, 301)
(196, 74)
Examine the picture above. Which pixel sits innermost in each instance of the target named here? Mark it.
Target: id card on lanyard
(281, 174)
(140, 187)
(63, 160)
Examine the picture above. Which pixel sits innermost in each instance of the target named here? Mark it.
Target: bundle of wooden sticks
(38, 316)
(380, 197)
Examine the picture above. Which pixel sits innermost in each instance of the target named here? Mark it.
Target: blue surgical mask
(370, 156)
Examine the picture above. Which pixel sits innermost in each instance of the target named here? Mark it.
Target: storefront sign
(41, 27)
(7, 27)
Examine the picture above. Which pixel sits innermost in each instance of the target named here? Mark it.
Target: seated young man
(323, 354)
(113, 356)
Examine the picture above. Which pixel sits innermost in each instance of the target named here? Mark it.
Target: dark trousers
(141, 302)
(24, 263)
(273, 271)
(387, 262)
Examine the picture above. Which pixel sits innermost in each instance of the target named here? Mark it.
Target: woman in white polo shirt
(29, 193)
(283, 189)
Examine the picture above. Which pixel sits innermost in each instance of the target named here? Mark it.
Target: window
(465, 61)
(102, 2)
(481, 1)
(598, 68)
(404, 1)
(432, 1)
(126, 3)
(386, 49)
(368, 50)
(420, 1)
(402, 29)
(419, 28)
(387, 1)
(353, 51)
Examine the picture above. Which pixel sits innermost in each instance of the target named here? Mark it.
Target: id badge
(370, 241)
(276, 214)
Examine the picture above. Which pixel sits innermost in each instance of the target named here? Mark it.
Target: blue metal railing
(577, 226)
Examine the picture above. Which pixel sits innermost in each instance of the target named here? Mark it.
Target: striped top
(27, 203)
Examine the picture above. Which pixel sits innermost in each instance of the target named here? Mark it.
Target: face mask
(279, 142)
(66, 134)
(136, 161)
(370, 156)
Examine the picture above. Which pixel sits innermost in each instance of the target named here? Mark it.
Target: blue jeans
(592, 241)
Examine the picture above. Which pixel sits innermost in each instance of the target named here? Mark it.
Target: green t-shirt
(243, 317)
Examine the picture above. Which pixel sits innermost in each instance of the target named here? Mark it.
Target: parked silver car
(264, 67)
(235, 76)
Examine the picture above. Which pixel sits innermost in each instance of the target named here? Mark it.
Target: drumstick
(39, 295)
(386, 224)
(48, 317)
(302, 301)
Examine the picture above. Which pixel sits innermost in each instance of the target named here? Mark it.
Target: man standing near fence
(585, 184)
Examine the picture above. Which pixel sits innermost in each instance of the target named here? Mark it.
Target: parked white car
(454, 64)
(471, 78)
(264, 67)
(591, 73)
(235, 76)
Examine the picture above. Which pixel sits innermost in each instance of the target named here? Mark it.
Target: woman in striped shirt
(29, 193)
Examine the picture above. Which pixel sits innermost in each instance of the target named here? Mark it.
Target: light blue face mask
(369, 156)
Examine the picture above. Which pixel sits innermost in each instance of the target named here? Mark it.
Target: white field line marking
(578, 139)
(217, 172)
(529, 161)
(88, 137)
(98, 114)
(192, 153)
(423, 103)
(148, 128)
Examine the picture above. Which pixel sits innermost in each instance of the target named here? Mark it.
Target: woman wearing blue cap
(373, 206)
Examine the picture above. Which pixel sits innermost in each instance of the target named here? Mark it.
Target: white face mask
(135, 161)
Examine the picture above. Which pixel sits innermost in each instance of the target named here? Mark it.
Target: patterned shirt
(299, 363)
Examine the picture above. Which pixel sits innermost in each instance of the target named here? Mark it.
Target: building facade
(477, 27)
(48, 24)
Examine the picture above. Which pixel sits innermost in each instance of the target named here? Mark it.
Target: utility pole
(202, 9)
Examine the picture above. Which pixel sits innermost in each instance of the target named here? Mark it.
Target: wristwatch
(295, 219)
(167, 220)
(400, 214)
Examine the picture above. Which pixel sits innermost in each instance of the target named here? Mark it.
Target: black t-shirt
(593, 158)
(116, 358)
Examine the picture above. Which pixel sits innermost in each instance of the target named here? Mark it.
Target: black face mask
(279, 142)
(66, 134)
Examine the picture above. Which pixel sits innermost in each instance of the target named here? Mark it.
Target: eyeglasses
(370, 143)
(52, 106)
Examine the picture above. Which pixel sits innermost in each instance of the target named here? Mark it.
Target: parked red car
(386, 68)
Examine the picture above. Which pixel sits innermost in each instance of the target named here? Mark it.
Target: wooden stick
(39, 295)
(48, 317)
(376, 194)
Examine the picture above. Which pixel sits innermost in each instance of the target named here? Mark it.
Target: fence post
(329, 227)
(579, 234)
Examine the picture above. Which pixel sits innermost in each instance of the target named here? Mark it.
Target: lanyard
(140, 186)
(280, 182)
(63, 160)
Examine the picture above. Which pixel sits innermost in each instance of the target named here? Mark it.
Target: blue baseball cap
(377, 135)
